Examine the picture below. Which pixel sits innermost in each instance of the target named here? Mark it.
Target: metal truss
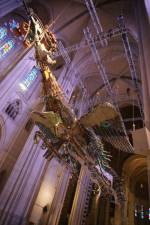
(130, 60)
(102, 39)
(66, 58)
(102, 71)
(97, 59)
(96, 22)
(108, 35)
(64, 53)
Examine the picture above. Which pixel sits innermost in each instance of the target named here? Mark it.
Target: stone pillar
(117, 217)
(17, 195)
(107, 214)
(123, 209)
(147, 5)
(131, 208)
(143, 27)
(127, 209)
(50, 198)
(15, 132)
(148, 167)
(93, 216)
(59, 197)
(77, 212)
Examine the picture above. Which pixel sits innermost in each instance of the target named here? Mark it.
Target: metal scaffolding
(101, 38)
(131, 63)
(96, 22)
(64, 53)
(111, 33)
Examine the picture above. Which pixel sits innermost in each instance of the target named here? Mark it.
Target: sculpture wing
(99, 113)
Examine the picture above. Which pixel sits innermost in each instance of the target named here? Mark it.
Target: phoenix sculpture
(73, 141)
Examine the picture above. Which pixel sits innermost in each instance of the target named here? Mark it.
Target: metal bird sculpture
(70, 140)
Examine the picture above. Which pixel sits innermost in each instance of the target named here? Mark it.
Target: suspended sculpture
(70, 140)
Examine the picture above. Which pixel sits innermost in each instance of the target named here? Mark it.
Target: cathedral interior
(74, 112)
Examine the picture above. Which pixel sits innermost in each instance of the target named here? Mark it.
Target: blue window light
(3, 33)
(29, 79)
(142, 212)
(6, 48)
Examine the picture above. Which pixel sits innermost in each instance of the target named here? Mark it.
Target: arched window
(3, 33)
(7, 40)
(11, 41)
(6, 48)
(29, 79)
(13, 109)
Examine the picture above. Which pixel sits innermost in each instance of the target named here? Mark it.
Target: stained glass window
(11, 42)
(6, 44)
(3, 33)
(29, 79)
(6, 48)
(141, 213)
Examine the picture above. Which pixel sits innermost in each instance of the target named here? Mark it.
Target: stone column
(93, 216)
(59, 197)
(143, 27)
(107, 208)
(127, 209)
(117, 217)
(148, 167)
(131, 208)
(17, 195)
(16, 132)
(77, 212)
(123, 209)
(50, 197)
(147, 5)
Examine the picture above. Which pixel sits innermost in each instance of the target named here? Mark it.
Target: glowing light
(29, 79)
(149, 213)
(23, 87)
(3, 33)
(135, 213)
(6, 48)
(142, 212)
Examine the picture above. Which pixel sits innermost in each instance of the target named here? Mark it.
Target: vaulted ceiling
(68, 19)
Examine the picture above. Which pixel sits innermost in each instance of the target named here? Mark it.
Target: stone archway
(134, 175)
